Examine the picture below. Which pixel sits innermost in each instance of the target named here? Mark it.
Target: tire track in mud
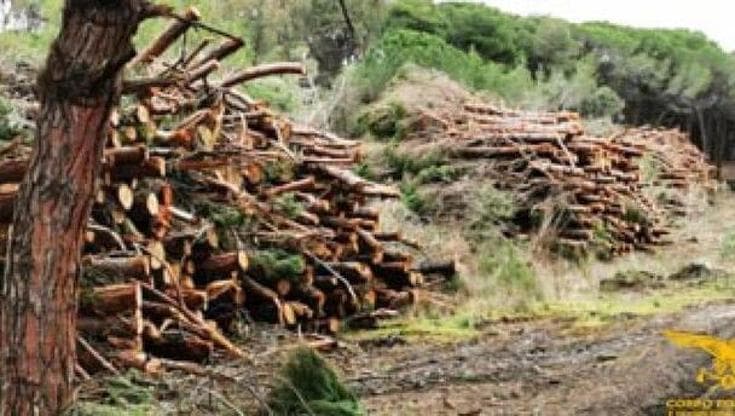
(627, 369)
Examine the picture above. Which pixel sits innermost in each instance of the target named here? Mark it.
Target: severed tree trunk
(78, 88)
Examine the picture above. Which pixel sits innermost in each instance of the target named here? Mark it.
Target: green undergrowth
(727, 246)
(280, 93)
(436, 328)
(278, 171)
(382, 121)
(402, 165)
(222, 215)
(308, 385)
(8, 129)
(469, 321)
(275, 264)
(288, 205)
(612, 307)
(120, 396)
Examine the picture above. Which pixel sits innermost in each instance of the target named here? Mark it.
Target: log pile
(212, 207)
(672, 167)
(588, 190)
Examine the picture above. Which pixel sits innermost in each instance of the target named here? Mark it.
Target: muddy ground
(541, 368)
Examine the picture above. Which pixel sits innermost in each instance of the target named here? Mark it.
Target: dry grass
(546, 285)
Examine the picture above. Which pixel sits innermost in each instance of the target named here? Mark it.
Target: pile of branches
(584, 193)
(212, 207)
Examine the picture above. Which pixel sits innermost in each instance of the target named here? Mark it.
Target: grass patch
(435, 328)
(121, 395)
(365, 170)
(469, 320)
(611, 307)
(727, 247)
(307, 384)
(635, 215)
(443, 173)
(414, 200)
(507, 273)
(649, 167)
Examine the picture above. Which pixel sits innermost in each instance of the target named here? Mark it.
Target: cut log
(300, 185)
(127, 155)
(224, 264)
(7, 202)
(118, 268)
(12, 171)
(138, 360)
(446, 268)
(113, 299)
(153, 167)
(178, 345)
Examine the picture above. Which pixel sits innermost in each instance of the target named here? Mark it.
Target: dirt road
(540, 368)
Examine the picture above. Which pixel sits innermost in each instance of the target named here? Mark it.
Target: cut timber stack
(589, 189)
(210, 207)
(674, 168)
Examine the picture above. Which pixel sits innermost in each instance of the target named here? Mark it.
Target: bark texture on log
(78, 87)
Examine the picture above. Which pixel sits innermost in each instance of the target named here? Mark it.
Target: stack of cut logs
(589, 189)
(212, 207)
(673, 167)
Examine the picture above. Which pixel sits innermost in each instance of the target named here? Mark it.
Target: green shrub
(365, 170)
(278, 171)
(288, 205)
(412, 198)
(8, 130)
(270, 265)
(308, 385)
(382, 122)
(434, 173)
(635, 215)
(603, 102)
(488, 208)
(222, 215)
(403, 164)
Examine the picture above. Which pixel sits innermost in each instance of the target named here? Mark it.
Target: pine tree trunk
(77, 89)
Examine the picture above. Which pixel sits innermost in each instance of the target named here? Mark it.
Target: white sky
(713, 17)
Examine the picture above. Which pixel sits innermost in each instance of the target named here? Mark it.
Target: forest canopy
(657, 76)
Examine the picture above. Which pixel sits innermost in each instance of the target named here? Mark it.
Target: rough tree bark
(77, 89)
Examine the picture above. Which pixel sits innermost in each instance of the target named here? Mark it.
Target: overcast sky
(713, 17)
